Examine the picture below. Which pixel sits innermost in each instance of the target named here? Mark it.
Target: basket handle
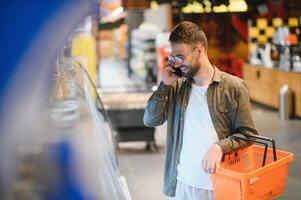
(262, 138)
(263, 143)
(260, 142)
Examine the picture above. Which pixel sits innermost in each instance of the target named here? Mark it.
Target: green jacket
(230, 111)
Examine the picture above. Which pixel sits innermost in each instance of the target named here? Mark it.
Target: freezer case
(126, 114)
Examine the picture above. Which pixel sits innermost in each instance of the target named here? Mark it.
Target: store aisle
(287, 135)
(144, 170)
(113, 76)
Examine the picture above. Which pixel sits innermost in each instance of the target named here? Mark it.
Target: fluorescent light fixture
(220, 9)
(234, 6)
(238, 6)
(154, 5)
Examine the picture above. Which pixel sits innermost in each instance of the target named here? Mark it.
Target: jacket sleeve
(243, 122)
(155, 113)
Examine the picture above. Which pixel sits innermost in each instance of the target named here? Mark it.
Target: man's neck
(204, 75)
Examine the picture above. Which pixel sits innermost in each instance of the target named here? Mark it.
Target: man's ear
(201, 50)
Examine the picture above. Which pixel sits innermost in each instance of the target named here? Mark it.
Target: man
(204, 109)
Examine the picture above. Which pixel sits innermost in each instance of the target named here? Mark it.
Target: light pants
(186, 192)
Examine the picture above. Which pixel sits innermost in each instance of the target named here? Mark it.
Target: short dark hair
(188, 33)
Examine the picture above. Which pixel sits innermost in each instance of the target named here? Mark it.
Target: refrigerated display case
(56, 141)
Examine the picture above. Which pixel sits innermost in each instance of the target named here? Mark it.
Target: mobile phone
(177, 71)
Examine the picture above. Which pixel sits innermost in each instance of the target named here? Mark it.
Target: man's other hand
(212, 159)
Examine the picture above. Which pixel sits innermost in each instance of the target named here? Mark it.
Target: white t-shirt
(198, 136)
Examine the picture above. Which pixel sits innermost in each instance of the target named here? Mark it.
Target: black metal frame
(257, 137)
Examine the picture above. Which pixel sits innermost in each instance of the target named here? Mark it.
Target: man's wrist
(166, 83)
(218, 146)
(163, 88)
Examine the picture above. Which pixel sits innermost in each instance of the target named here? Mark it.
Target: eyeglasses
(178, 59)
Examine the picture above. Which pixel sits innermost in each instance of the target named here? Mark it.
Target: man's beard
(191, 71)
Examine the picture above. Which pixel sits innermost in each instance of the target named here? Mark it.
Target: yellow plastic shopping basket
(253, 173)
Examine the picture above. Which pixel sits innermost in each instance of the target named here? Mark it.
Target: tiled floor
(144, 170)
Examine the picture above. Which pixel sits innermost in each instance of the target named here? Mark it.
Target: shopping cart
(254, 173)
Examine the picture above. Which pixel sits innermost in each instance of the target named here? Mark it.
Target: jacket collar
(217, 76)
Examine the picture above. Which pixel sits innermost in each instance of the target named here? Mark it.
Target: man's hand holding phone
(172, 71)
